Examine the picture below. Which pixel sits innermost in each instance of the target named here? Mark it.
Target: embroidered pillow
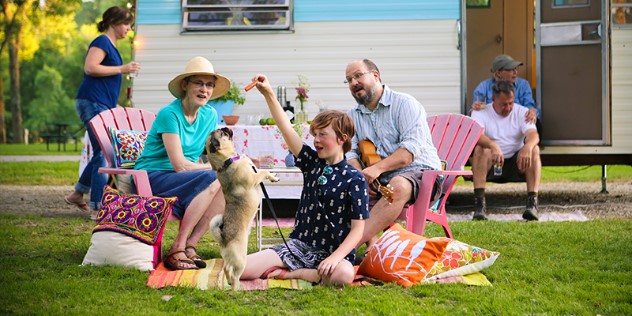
(139, 217)
(460, 258)
(401, 256)
(127, 145)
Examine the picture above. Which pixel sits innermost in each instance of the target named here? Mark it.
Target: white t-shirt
(508, 132)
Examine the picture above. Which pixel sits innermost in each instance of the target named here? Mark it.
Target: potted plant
(225, 104)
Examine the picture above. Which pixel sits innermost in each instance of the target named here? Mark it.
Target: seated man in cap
(505, 67)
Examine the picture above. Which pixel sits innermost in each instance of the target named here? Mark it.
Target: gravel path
(501, 199)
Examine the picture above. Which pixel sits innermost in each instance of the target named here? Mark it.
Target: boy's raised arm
(292, 139)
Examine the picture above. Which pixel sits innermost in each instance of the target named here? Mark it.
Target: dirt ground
(501, 198)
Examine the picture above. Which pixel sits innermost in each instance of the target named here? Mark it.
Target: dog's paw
(273, 178)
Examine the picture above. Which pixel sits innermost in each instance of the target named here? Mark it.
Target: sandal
(174, 263)
(83, 206)
(197, 260)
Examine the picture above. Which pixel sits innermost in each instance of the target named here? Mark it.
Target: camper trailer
(577, 55)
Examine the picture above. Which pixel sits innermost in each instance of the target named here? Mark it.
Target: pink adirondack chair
(131, 119)
(454, 136)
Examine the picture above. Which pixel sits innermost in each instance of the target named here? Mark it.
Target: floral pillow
(142, 218)
(128, 145)
(401, 256)
(460, 258)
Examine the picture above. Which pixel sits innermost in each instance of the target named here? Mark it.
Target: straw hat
(199, 66)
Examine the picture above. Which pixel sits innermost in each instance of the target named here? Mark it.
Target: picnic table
(61, 132)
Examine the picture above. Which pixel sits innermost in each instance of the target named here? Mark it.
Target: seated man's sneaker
(479, 209)
(531, 213)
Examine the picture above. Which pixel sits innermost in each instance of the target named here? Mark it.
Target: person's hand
(263, 85)
(478, 105)
(497, 155)
(371, 173)
(524, 158)
(131, 67)
(531, 116)
(327, 266)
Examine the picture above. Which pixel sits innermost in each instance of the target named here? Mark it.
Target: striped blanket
(212, 277)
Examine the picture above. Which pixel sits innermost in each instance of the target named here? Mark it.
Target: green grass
(567, 268)
(62, 173)
(38, 149)
(39, 173)
(66, 173)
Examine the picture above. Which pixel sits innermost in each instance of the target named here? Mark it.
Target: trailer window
(570, 3)
(236, 15)
(621, 13)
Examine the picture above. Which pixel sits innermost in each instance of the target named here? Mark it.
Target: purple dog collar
(228, 162)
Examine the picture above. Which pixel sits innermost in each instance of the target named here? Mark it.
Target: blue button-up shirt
(522, 93)
(398, 121)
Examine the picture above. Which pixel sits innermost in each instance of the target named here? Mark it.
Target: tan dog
(240, 184)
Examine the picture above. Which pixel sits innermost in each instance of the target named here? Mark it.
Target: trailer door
(571, 65)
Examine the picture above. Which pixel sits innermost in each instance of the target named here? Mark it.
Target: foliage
(49, 105)
(234, 94)
(50, 29)
(578, 274)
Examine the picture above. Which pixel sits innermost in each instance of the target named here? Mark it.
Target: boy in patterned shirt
(333, 207)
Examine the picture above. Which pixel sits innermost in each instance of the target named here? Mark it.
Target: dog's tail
(216, 225)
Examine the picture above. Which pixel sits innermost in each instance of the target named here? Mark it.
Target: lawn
(39, 149)
(568, 268)
(572, 268)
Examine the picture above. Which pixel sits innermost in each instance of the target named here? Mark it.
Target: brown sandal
(174, 263)
(197, 260)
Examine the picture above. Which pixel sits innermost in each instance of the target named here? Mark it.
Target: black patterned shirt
(325, 211)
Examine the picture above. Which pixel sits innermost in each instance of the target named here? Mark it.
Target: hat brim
(222, 84)
(510, 65)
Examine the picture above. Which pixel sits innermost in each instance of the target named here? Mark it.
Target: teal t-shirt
(170, 119)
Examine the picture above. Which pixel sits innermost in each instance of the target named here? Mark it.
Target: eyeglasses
(200, 84)
(356, 77)
(322, 180)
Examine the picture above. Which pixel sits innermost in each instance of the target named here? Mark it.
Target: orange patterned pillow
(402, 256)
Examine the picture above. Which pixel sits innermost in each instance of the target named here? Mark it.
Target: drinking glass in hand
(498, 169)
(135, 73)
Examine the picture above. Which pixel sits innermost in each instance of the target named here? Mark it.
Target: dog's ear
(228, 132)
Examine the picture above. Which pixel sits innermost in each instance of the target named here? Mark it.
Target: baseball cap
(505, 62)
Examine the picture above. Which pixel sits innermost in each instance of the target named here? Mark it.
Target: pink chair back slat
(454, 136)
(119, 118)
(99, 126)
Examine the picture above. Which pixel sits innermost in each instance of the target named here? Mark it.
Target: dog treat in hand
(250, 86)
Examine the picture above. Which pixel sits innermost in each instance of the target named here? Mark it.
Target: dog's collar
(228, 162)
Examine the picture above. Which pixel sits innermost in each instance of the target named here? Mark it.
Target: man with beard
(396, 124)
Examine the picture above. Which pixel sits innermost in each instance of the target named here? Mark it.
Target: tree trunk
(14, 91)
(3, 128)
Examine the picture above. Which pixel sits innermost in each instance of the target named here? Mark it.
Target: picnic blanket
(212, 277)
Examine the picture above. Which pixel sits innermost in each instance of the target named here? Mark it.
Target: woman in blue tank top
(98, 92)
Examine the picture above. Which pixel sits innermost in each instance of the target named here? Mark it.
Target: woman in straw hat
(174, 144)
(98, 92)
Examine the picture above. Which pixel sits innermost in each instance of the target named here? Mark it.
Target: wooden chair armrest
(141, 180)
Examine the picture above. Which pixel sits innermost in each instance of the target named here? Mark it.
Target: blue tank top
(104, 90)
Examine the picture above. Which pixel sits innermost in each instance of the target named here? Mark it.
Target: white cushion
(112, 248)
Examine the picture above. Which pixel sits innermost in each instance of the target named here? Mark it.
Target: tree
(12, 17)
